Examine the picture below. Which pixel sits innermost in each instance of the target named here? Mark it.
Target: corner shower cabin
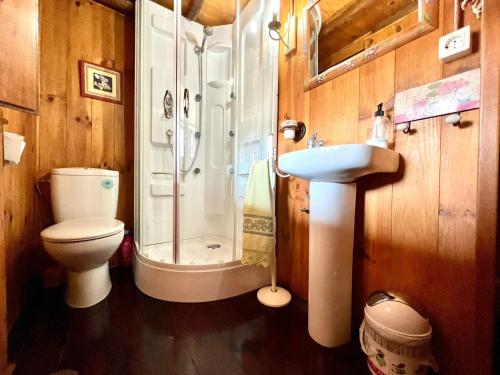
(205, 109)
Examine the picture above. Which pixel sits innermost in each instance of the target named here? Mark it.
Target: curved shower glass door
(154, 134)
(193, 159)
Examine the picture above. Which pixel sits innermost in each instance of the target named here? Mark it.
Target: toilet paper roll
(13, 147)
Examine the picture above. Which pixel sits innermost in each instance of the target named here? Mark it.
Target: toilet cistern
(332, 171)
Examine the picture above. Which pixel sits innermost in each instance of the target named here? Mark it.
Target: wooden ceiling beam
(126, 7)
(212, 12)
(195, 9)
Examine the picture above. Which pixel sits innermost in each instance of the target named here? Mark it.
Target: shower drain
(213, 246)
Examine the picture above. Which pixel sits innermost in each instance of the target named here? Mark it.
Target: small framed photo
(99, 82)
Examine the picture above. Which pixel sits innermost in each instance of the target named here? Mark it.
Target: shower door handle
(168, 105)
(186, 103)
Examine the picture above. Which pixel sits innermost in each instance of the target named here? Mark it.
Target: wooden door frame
(488, 184)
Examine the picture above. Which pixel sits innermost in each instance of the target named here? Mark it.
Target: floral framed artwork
(457, 93)
(101, 83)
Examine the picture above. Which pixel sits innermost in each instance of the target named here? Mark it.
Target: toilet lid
(82, 230)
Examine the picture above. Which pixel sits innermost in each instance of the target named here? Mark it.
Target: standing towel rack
(273, 295)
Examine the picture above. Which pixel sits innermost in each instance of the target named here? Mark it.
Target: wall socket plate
(455, 45)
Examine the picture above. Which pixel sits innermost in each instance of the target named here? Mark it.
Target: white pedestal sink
(332, 201)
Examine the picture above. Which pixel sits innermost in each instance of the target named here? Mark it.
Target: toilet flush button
(107, 184)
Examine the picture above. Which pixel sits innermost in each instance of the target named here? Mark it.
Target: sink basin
(332, 201)
(341, 163)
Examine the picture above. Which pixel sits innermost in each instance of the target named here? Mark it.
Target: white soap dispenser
(380, 129)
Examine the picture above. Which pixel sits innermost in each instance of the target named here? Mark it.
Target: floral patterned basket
(387, 357)
(396, 335)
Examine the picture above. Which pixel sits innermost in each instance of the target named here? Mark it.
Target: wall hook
(453, 119)
(405, 127)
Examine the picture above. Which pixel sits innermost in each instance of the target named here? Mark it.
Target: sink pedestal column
(331, 238)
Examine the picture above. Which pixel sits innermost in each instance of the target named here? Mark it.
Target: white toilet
(84, 203)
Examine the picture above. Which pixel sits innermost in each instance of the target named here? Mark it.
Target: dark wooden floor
(130, 333)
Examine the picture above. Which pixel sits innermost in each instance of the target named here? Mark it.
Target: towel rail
(282, 175)
(274, 164)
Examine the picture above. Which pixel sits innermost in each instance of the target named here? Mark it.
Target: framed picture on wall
(99, 82)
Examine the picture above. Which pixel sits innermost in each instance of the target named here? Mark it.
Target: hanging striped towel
(258, 221)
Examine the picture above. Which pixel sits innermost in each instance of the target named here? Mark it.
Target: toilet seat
(78, 230)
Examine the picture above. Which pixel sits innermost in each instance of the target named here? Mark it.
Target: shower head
(208, 30)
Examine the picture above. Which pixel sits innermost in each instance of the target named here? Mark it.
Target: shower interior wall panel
(219, 143)
(214, 209)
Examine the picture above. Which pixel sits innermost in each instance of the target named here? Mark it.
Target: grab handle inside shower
(168, 105)
(186, 103)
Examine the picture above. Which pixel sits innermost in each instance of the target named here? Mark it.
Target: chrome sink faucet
(314, 141)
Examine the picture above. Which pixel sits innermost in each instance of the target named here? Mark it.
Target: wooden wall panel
(414, 213)
(416, 195)
(53, 85)
(372, 254)
(487, 246)
(18, 214)
(344, 109)
(321, 113)
(415, 230)
(77, 131)
(414, 68)
(103, 113)
(19, 85)
(3, 276)
(457, 228)
(123, 157)
(53, 101)
(472, 61)
(79, 109)
(69, 131)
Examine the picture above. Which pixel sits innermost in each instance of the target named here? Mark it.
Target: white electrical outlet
(456, 44)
